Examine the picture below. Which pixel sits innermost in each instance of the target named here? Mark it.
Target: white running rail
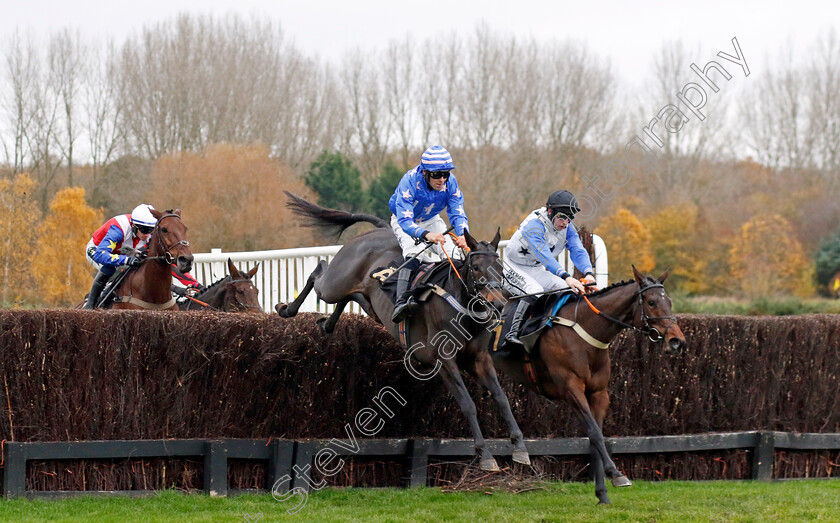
(283, 273)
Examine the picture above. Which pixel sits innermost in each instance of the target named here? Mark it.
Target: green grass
(676, 501)
(785, 306)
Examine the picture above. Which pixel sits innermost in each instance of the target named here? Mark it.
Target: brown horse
(450, 332)
(568, 367)
(233, 293)
(149, 286)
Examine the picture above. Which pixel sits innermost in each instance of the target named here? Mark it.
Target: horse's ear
(638, 275)
(250, 274)
(664, 275)
(177, 211)
(471, 243)
(497, 238)
(234, 272)
(156, 213)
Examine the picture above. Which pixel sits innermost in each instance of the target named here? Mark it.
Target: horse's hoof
(604, 502)
(281, 309)
(490, 465)
(621, 481)
(521, 456)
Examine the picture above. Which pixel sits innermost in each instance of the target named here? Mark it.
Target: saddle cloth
(422, 279)
(536, 319)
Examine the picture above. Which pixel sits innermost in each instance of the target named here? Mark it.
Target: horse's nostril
(675, 344)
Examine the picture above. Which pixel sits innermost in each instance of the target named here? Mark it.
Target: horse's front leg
(452, 378)
(486, 374)
(290, 310)
(599, 402)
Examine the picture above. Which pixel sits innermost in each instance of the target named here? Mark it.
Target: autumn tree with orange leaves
(62, 274)
(19, 217)
(766, 259)
(231, 197)
(628, 243)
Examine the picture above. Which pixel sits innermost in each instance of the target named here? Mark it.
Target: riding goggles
(437, 175)
(144, 229)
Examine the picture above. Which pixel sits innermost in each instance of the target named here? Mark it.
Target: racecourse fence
(287, 462)
(72, 377)
(282, 273)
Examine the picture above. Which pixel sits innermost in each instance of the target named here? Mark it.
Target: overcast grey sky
(629, 33)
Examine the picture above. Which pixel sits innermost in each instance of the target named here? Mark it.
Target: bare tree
(369, 122)
(22, 70)
(401, 92)
(823, 77)
(103, 108)
(67, 58)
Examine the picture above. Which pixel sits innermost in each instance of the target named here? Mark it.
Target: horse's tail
(331, 220)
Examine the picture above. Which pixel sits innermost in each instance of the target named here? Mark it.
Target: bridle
(167, 256)
(474, 287)
(238, 304)
(647, 329)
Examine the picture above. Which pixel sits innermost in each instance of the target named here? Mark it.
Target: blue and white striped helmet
(436, 158)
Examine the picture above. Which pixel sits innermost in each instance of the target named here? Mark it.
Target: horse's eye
(652, 303)
(164, 229)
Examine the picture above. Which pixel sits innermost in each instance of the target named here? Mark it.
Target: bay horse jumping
(566, 366)
(149, 286)
(233, 293)
(449, 333)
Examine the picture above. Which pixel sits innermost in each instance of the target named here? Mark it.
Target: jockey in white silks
(531, 266)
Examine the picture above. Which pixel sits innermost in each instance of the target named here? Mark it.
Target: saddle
(107, 298)
(423, 279)
(536, 319)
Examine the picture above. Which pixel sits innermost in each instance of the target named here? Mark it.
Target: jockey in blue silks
(531, 255)
(421, 195)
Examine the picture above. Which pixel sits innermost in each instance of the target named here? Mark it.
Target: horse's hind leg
(290, 310)
(452, 378)
(365, 304)
(486, 373)
(328, 324)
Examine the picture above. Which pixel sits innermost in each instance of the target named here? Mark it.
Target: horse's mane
(619, 284)
(215, 283)
(611, 287)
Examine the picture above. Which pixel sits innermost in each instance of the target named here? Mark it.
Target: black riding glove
(136, 259)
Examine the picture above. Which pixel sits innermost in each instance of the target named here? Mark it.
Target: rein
(647, 329)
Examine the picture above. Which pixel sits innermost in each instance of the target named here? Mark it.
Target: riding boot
(405, 301)
(512, 336)
(96, 290)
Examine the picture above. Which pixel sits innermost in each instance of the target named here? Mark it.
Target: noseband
(647, 329)
(238, 304)
(473, 286)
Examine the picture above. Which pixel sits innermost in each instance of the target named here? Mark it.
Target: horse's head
(483, 269)
(240, 294)
(169, 240)
(654, 305)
